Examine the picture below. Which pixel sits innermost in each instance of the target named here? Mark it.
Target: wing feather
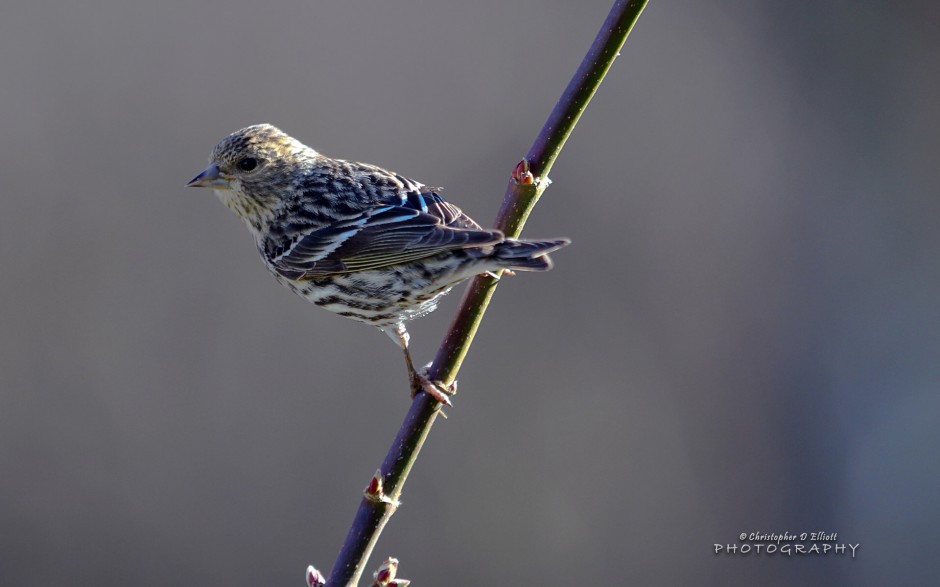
(382, 237)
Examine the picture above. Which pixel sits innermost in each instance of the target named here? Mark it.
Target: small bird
(356, 239)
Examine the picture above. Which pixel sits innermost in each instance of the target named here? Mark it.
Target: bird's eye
(248, 164)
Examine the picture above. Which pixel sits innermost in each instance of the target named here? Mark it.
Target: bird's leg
(420, 380)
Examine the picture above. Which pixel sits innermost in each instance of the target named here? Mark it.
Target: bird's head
(252, 169)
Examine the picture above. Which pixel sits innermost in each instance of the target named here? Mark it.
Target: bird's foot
(435, 389)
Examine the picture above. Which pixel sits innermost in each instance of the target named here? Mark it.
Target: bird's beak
(211, 178)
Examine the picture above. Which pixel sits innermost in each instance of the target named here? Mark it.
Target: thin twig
(528, 182)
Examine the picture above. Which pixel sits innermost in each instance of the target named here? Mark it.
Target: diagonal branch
(528, 181)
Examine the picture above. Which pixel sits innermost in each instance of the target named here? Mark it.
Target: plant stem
(521, 196)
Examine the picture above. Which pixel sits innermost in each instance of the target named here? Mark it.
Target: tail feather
(527, 255)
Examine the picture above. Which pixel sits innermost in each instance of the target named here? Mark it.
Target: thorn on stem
(374, 491)
(314, 577)
(375, 485)
(387, 571)
(522, 174)
(385, 575)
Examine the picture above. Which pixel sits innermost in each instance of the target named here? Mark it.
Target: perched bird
(356, 239)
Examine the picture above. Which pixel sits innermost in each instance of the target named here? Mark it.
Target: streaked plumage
(356, 239)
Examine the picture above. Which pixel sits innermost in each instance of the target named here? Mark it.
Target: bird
(358, 240)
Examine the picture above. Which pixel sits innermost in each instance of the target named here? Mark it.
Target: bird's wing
(430, 202)
(379, 237)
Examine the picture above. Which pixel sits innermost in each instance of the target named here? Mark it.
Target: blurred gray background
(744, 337)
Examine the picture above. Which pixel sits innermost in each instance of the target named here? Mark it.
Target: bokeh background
(744, 337)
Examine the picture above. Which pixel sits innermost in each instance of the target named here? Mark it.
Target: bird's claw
(436, 389)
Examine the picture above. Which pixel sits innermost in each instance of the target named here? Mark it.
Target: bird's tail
(527, 255)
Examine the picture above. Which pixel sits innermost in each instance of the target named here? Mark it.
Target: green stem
(521, 196)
